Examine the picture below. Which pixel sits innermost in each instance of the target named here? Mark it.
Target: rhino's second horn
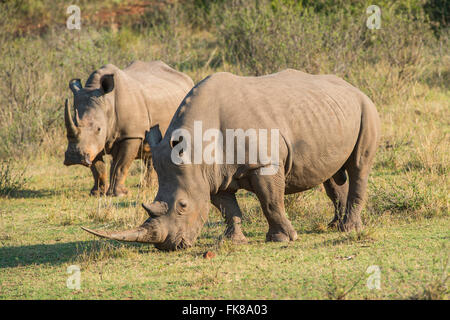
(155, 209)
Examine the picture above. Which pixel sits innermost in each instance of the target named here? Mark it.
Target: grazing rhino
(112, 113)
(328, 133)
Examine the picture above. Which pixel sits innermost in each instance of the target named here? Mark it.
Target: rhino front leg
(227, 204)
(98, 169)
(123, 157)
(338, 195)
(270, 191)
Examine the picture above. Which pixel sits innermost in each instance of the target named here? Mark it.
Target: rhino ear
(75, 85)
(107, 83)
(154, 136)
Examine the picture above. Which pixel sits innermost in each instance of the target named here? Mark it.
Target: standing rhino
(328, 133)
(112, 113)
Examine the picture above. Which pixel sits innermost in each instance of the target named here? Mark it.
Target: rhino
(328, 134)
(112, 113)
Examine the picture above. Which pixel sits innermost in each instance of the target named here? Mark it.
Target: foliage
(12, 177)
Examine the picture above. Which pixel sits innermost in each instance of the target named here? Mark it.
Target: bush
(35, 70)
(263, 37)
(12, 177)
(201, 37)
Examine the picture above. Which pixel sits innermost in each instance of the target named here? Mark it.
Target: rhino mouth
(70, 160)
(180, 243)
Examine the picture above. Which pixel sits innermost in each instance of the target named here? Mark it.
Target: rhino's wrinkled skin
(112, 113)
(328, 130)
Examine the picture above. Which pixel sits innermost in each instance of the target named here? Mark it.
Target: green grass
(40, 237)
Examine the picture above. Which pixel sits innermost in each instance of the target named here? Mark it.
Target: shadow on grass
(363, 238)
(127, 204)
(54, 254)
(29, 194)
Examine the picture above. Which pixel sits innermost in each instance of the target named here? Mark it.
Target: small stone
(209, 255)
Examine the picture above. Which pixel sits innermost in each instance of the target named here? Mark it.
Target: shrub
(12, 177)
(201, 37)
(261, 38)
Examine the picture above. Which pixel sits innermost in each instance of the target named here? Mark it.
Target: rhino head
(181, 206)
(87, 133)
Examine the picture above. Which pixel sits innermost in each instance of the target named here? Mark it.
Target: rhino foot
(98, 191)
(334, 224)
(281, 235)
(118, 192)
(348, 226)
(235, 235)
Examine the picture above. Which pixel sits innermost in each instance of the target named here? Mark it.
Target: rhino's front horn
(139, 234)
(72, 130)
(156, 208)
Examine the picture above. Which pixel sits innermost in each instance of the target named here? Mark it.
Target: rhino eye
(99, 129)
(182, 204)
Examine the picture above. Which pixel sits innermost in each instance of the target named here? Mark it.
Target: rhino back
(318, 117)
(147, 93)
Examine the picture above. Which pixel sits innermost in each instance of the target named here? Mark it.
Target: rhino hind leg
(270, 192)
(338, 195)
(123, 157)
(355, 201)
(98, 169)
(358, 168)
(227, 204)
(145, 155)
(147, 180)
